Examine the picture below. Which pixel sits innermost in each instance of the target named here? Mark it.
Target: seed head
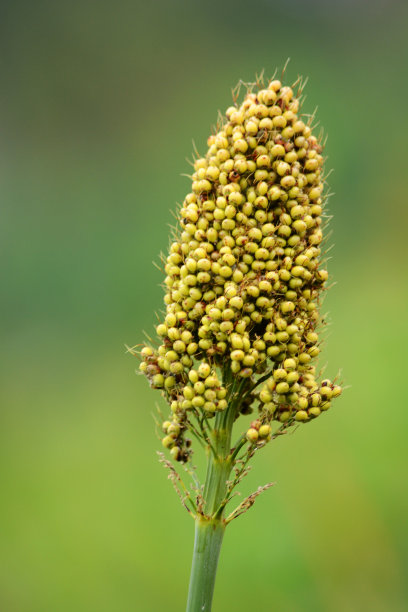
(244, 276)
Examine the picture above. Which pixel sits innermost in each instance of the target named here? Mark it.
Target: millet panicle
(244, 277)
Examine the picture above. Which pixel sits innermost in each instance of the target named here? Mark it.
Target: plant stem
(207, 545)
(219, 466)
(210, 526)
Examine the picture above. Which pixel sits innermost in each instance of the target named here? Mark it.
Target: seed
(252, 435)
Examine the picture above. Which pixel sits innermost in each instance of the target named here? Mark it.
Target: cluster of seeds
(243, 277)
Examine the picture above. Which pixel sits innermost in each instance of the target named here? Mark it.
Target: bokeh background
(99, 104)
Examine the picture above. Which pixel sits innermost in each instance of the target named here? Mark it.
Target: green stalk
(207, 545)
(210, 527)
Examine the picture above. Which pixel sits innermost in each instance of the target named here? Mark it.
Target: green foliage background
(99, 105)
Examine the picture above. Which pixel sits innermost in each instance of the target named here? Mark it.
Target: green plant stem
(210, 526)
(207, 545)
(219, 464)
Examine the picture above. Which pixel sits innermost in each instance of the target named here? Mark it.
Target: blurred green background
(99, 104)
